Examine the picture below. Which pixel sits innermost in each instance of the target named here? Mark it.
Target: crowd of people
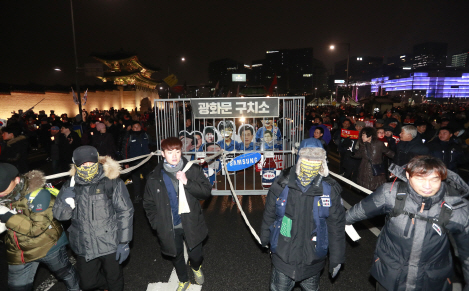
(421, 147)
(369, 142)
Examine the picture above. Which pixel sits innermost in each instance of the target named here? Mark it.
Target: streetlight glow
(331, 47)
(57, 69)
(183, 59)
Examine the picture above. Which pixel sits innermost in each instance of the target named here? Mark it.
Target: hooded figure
(301, 199)
(33, 235)
(98, 204)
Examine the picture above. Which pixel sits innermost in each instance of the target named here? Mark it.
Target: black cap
(391, 120)
(388, 128)
(85, 154)
(8, 172)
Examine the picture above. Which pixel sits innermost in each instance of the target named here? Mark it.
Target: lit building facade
(459, 60)
(430, 87)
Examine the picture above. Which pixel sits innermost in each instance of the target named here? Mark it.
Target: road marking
(173, 281)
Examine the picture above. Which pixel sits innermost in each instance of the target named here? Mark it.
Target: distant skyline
(37, 35)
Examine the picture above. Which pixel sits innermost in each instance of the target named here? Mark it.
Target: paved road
(233, 259)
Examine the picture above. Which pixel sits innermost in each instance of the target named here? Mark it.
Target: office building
(460, 60)
(430, 55)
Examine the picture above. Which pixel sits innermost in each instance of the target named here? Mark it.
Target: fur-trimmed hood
(14, 140)
(34, 180)
(316, 154)
(29, 182)
(111, 167)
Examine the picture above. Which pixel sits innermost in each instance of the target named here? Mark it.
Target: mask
(308, 170)
(87, 173)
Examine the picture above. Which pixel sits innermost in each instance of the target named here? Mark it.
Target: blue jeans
(281, 282)
(21, 277)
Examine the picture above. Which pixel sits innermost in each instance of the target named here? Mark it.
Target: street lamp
(183, 59)
(332, 47)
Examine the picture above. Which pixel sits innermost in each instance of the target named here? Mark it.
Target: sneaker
(128, 181)
(182, 286)
(198, 276)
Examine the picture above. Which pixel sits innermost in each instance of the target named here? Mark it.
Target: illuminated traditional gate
(272, 126)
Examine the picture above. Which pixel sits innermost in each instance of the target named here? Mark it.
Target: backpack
(320, 213)
(438, 223)
(52, 191)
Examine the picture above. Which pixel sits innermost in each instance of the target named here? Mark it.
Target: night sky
(36, 36)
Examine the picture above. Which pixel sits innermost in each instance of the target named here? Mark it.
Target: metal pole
(76, 59)
(348, 61)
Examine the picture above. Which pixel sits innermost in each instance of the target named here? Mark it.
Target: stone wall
(63, 102)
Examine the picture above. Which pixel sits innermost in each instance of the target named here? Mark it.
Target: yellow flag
(171, 80)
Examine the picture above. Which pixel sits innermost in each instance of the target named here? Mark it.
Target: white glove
(3, 209)
(71, 202)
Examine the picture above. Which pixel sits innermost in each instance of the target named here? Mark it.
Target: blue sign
(243, 161)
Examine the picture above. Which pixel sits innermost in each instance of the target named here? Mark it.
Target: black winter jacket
(295, 255)
(411, 254)
(406, 150)
(449, 152)
(158, 209)
(99, 223)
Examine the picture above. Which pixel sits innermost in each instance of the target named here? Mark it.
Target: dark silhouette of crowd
(58, 136)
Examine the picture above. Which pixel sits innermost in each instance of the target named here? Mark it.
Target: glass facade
(435, 87)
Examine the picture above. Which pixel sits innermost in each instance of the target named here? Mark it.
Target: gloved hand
(5, 213)
(68, 196)
(335, 270)
(123, 251)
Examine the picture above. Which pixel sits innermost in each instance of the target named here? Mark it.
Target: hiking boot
(198, 276)
(182, 286)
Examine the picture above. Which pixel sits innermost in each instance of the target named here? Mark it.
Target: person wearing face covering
(97, 202)
(304, 220)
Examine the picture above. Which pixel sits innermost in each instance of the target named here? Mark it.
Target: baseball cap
(85, 154)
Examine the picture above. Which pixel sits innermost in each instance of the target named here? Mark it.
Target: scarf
(87, 173)
(171, 170)
(308, 170)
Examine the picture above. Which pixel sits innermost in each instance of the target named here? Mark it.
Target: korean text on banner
(353, 134)
(235, 107)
